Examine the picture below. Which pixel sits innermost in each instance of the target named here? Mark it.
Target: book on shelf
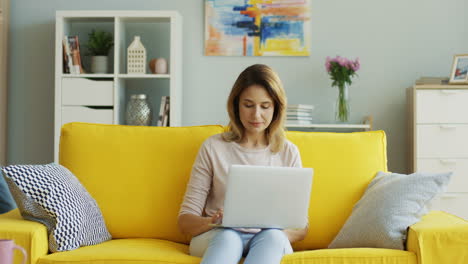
(165, 121)
(72, 49)
(302, 107)
(161, 111)
(299, 113)
(294, 118)
(163, 118)
(67, 58)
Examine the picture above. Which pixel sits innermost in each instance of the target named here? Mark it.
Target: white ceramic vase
(161, 66)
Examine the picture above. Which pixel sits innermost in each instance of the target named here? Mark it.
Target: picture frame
(459, 73)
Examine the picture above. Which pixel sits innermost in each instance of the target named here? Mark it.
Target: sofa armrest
(32, 236)
(439, 238)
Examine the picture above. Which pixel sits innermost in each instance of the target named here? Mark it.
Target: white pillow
(52, 195)
(391, 203)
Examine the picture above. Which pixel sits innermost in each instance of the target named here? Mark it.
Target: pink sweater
(206, 189)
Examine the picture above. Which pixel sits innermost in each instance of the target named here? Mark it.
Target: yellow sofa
(138, 177)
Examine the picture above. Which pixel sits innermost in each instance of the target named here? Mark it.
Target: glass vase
(342, 104)
(138, 111)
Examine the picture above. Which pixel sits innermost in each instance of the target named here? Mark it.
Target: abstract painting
(257, 27)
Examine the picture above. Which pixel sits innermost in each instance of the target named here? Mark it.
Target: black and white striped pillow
(52, 195)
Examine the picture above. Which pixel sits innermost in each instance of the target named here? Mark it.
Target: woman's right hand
(217, 218)
(194, 224)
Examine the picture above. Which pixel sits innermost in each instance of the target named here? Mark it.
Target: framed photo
(459, 72)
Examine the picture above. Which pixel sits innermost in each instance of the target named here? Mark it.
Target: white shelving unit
(102, 98)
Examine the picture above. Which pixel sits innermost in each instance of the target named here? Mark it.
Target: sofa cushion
(149, 251)
(392, 202)
(352, 256)
(138, 175)
(344, 164)
(52, 195)
(125, 251)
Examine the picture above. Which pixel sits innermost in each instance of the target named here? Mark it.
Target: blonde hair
(262, 75)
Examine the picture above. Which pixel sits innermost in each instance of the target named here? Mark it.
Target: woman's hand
(194, 225)
(217, 218)
(295, 235)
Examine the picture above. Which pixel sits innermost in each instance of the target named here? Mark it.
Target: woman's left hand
(295, 235)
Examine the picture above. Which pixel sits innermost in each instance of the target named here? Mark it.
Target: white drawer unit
(439, 140)
(82, 91)
(459, 167)
(86, 114)
(454, 203)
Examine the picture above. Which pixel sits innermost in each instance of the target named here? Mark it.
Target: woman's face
(256, 108)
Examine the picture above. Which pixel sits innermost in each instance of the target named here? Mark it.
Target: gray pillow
(52, 195)
(391, 203)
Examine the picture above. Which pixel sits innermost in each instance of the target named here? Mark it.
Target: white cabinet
(439, 135)
(102, 98)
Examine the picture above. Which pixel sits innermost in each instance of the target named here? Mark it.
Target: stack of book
(300, 114)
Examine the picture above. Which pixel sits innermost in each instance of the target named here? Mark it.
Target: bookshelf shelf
(102, 98)
(143, 76)
(123, 76)
(88, 75)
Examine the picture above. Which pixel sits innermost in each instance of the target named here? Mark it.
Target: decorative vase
(158, 66)
(342, 103)
(138, 111)
(99, 64)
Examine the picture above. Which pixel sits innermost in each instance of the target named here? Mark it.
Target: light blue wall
(397, 42)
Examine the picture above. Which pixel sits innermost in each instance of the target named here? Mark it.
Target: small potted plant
(99, 45)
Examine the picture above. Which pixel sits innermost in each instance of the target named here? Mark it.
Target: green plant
(99, 43)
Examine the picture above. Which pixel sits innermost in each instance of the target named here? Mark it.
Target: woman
(256, 107)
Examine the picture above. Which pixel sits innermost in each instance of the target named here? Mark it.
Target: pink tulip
(341, 62)
(328, 64)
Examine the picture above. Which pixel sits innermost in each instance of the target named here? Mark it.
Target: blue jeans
(228, 246)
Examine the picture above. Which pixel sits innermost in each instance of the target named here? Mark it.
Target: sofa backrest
(137, 175)
(344, 164)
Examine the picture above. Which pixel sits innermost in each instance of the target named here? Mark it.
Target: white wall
(397, 42)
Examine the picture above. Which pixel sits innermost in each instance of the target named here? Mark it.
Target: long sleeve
(199, 184)
(292, 156)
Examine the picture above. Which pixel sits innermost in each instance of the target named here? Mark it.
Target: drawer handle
(448, 126)
(448, 92)
(448, 161)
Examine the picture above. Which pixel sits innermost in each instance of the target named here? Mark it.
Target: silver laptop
(267, 197)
